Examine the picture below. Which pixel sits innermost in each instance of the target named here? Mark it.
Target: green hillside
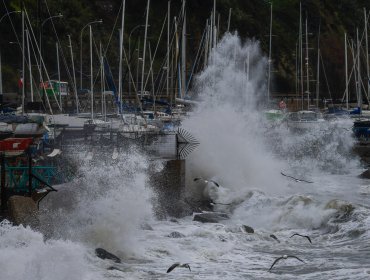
(249, 18)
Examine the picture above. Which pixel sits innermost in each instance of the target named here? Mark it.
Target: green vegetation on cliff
(249, 18)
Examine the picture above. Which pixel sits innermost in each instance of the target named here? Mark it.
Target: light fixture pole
(40, 40)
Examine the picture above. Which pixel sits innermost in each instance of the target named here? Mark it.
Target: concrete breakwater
(168, 183)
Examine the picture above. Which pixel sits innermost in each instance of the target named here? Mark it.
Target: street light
(7, 14)
(40, 40)
(90, 23)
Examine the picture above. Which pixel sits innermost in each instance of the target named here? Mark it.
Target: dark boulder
(247, 229)
(210, 217)
(104, 254)
(365, 174)
(176, 234)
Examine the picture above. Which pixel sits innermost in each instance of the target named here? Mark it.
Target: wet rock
(355, 233)
(247, 229)
(365, 174)
(210, 217)
(344, 210)
(104, 254)
(176, 234)
(174, 221)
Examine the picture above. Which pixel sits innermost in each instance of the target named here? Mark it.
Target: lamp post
(40, 39)
(7, 14)
(88, 24)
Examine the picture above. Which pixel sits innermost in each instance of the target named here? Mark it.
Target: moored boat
(304, 120)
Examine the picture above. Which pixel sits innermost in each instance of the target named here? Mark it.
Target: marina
(184, 140)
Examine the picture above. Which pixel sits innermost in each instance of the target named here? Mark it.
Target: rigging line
(352, 70)
(43, 64)
(156, 49)
(171, 47)
(100, 66)
(114, 27)
(173, 38)
(356, 62)
(34, 54)
(20, 46)
(133, 84)
(326, 78)
(195, 61)
(61, 49)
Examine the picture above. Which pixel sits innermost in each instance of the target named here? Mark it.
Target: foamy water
(110, 203)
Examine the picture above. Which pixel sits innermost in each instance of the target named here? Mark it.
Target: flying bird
(285, 257)
(172, 267)
(297, 180)
(206, 181)
(309, 239)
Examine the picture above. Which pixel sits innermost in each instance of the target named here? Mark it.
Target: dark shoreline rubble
(210, 217)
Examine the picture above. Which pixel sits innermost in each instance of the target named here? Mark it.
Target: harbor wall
(168, 185)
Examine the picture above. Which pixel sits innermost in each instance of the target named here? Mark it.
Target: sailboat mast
(23, 64)
(1, 85)
(301, 52)
(168, 47)
(269, 61)
(120, 57)
(248, 55)
(346, 66)
(74, 74)
(228, 20)
(144, 50)
(307, 67)
(183, 57)
(58, 68)
(318, 70)
(101, 79)
(367, 56)
(214, 24)
(29, 63)
(206, 45)
(359, 95)
(211, 32)
(91, 76)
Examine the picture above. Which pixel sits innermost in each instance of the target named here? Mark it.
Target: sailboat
(304, 119)
(276, 114)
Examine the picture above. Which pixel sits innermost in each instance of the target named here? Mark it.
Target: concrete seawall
(169, 185)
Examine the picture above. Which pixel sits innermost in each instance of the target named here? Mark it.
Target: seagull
(206, 181)
(297, 180)
(309, 239)
(273, 236)
(285, 257)
(172, 267)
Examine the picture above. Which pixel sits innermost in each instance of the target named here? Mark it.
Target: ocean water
(111, 203)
